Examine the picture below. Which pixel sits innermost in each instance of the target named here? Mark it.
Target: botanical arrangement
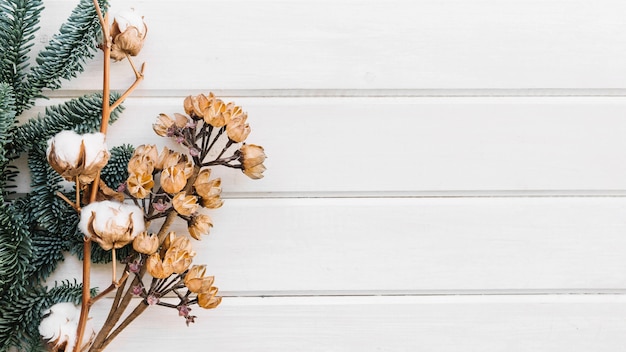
(123, 200)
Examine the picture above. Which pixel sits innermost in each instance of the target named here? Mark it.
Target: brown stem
(138, 79)
(106, 112)
(67, 200)
(129, 319)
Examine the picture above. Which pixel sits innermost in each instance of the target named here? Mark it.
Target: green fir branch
(66, 53)
(19, 20)
(81, 114)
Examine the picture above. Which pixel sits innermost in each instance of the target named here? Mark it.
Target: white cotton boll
(111, 224)
(66, 146)
(95, 148)
(129, 18)
(60, 324)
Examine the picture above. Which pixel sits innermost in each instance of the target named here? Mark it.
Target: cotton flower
(73, 155)
(128, 33)
(111, 224)
(252, 158)
(59, 325)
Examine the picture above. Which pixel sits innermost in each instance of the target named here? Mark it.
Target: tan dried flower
(143, 160)
(146, 244)
(181, 259)
(173, 179)
(128, 33)
(140, 185)
(111, 224)
(198, 225)
(195, 280)
(73, 155)
(252, 158)
(195, 106)
(185, 204)
(208, 190)
(159, 269)
(213, 114)
(163, 125)
(209, 300)
(237, 129)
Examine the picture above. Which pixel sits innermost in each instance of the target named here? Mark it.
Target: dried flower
(237, 129)
(181, 259)
(140, 185)
(73, 155)
(185, 204)
(173, 179)
(159, 269)
(208, 190)
(208, 300)
(146, 244)
(252, 158)
(214, 113)
(195, 280)
(198, 225)
(111, 224)
(144, 159)
(58, 327)
(195, 106)
(128, 32)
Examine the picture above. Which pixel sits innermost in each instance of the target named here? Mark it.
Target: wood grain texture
(390, 246)
(413, 146)
(488, 324)
(347, 44)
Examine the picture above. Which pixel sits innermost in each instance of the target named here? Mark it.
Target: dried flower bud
(252, 158)
(181, 259)
(214, 113)
(159, 269)
(237, 129)
(128, 32)
(163, 125)
(208, 300)
(144, 159)
(59, 326)
(167, 158)
(140, 185)
(73, 155)
(199, 225)
(146, 244)
(208, 190)
(111, 224)
(195, 280)
(173, 179)
(195, 106)
(185, 204)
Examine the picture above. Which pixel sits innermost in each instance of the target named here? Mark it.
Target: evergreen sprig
(80, 114)
(19, 21)
(66, 53)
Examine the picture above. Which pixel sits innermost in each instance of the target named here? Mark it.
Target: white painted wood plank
(412, 145)
(348, 44)
(429, 245)
(492, 323)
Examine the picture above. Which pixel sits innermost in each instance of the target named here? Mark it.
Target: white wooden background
(443, 175)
